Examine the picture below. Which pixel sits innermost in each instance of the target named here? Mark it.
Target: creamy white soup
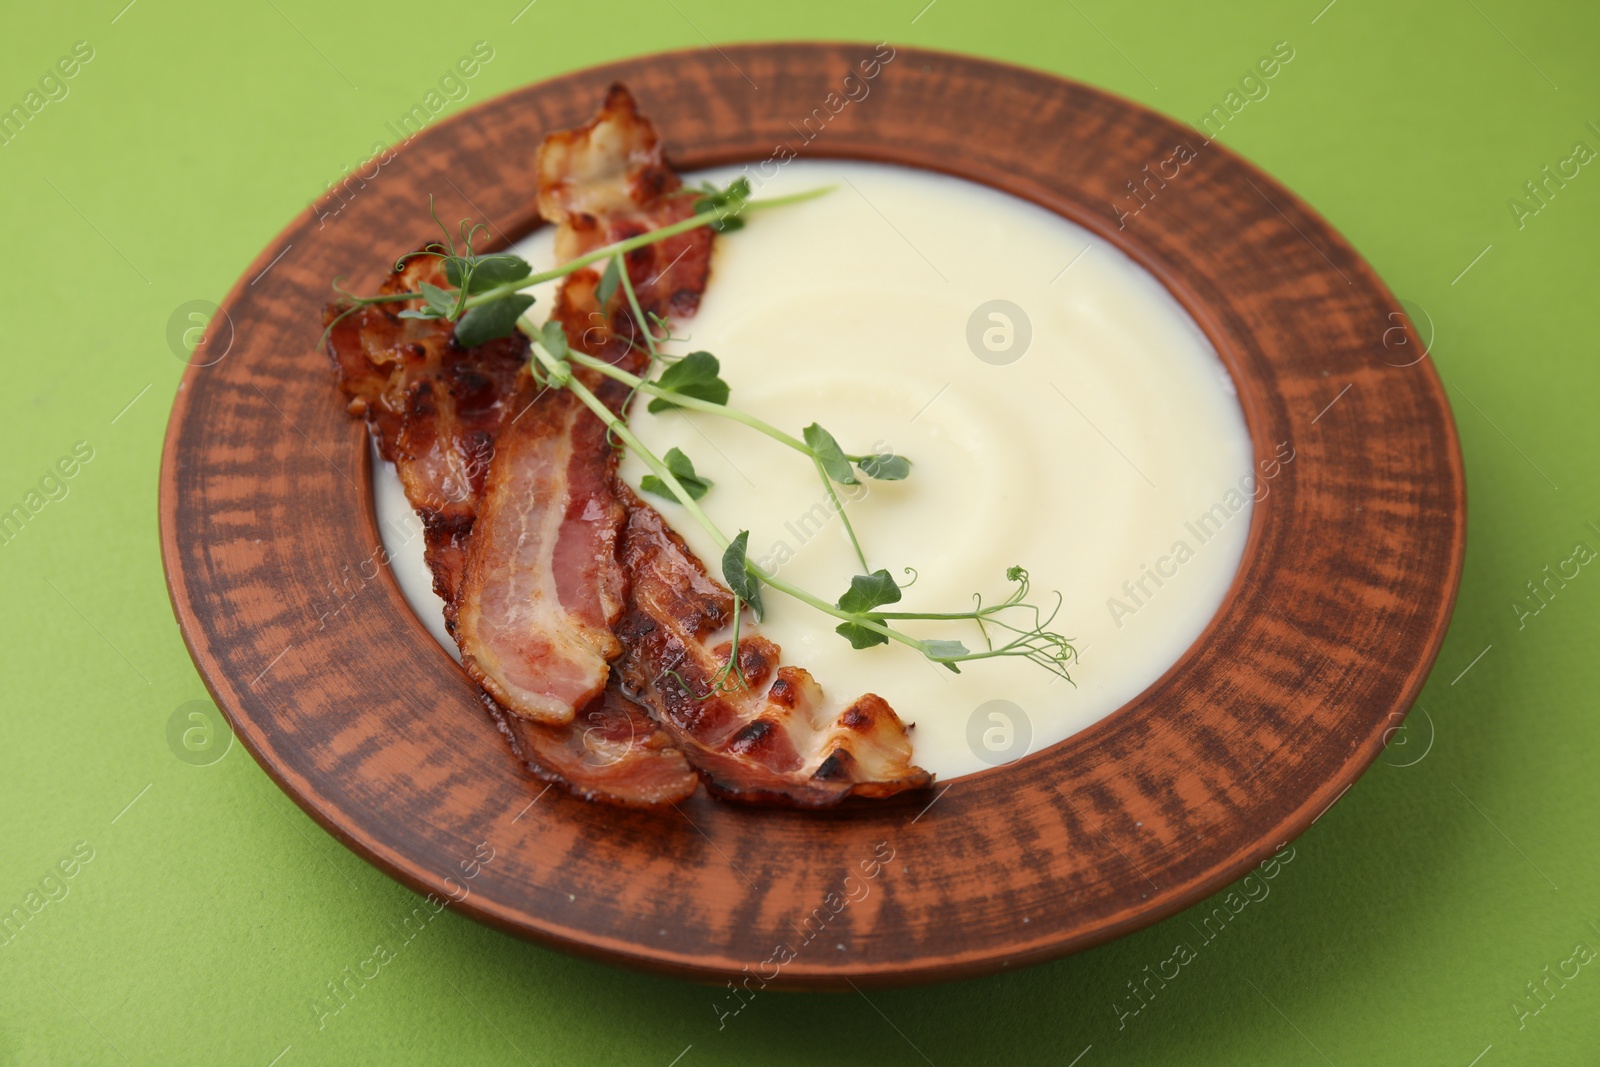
(1061, 411)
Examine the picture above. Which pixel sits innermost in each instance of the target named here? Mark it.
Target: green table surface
(1443, 912)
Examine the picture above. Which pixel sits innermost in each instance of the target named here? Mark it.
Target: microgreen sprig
(695, 484)
(857, 610)
(729, 203)
(488, 298)
(695, 382)
(484, 297)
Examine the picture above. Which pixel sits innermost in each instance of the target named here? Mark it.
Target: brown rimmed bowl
(1349, 575)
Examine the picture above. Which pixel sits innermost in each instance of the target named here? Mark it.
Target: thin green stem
(638, 312)
(693, 403)
(733, 668)
(838, 505)
(838, 612)
(649, 237)
(935, 616)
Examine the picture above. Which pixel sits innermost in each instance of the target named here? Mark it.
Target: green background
(213, 911)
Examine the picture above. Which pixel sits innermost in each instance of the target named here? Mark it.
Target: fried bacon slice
(433, 407)
(542, 583)
(435, 411)
(609, 169)
(543, 586)
(605, 182)
(760, 741)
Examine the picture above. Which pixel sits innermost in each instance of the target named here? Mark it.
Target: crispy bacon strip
(543, 586)
(435, 411)
(433, 407)
(763, 743)
(610, 168)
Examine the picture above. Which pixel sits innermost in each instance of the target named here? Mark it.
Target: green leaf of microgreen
(491, 321)
(491, 271)
(829, 454)
(419, 313)
(737, 192)
(734, 571)
(608, 282)
(868, 591)
(946, 650)
(728, 203)
(682, 468)
(859, 636)
(694, 375)
(486, 272)
(885, 468)
(440, 300)
(554, 338)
